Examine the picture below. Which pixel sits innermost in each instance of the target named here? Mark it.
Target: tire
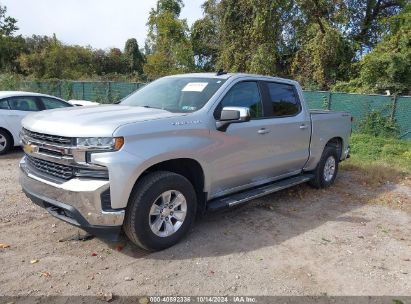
(5, 142)
(326, 170)
(148, 197)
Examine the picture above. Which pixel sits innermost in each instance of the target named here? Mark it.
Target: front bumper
(76, 201)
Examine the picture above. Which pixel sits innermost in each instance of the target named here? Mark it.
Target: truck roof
(234, 75)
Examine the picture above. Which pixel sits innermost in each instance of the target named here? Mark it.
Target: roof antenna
(221, 72)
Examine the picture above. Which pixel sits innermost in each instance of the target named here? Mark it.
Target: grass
(379, 159)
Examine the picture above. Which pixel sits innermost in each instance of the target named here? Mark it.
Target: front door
(19, 108)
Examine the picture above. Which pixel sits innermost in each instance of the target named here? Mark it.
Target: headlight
(100, 143)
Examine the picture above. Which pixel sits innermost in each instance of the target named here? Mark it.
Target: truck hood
(90, 121)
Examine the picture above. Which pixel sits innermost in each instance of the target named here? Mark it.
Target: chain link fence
(100, 91)
(398, 108)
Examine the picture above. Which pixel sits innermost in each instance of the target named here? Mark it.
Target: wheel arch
(187, 167)
(337, 143)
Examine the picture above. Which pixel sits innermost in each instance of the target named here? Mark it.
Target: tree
(324, 58)
(7, 24)
(388, 65)
(205, 37)
(57, 60)
(135, 59)
(168, 44)
(365, 24)
(250, 32)
(10, 46)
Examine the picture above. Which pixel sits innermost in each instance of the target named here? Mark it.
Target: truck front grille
(46, 138)
(50, 168)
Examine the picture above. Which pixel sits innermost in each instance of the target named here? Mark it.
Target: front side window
(51, 103)
(23, 103)
(175, 94)
(243, 94)
(283, 98)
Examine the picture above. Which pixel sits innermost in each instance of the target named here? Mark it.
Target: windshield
(175, 94)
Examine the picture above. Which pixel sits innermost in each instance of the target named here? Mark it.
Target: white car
(76, 102)
(14, 106)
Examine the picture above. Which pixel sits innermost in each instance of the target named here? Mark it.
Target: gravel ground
(350, 239)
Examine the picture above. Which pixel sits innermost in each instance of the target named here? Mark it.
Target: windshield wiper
(150, 107)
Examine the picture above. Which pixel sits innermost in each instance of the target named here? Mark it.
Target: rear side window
(4, 105)
(24, 103)
(51, 103)
(284, 99)
(243, 94)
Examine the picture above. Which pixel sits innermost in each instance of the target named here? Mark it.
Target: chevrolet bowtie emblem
(29, 148)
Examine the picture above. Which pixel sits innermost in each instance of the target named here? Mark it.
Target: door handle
(263, 131)
(302, 127)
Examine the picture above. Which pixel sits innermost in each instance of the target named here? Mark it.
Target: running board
(245, 196)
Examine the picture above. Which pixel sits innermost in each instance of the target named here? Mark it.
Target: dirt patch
(351, 239)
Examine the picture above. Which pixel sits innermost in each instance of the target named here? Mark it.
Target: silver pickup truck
(180, 146)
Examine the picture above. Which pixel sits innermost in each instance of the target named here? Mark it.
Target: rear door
(289, 128)
(20, 107)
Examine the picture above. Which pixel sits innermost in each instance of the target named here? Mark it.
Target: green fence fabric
(399, 108)
(100, 91)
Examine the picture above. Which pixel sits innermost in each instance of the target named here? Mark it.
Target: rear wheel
(5, 142)
(161, 210)
(327, 169)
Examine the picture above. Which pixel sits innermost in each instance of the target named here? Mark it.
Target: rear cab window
(283, 98)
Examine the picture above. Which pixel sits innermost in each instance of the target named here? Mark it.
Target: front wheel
(160, 211)
(327, 169)
(5, 142)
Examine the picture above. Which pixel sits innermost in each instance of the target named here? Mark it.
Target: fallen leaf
(3, 246)
(46, 274)
(144, 300)
(108, 296)
(34, 261)
(94, 254)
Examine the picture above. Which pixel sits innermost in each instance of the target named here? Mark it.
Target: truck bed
(327, 124)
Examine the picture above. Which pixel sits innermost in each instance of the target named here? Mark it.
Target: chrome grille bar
(47, 138)
(54, 169)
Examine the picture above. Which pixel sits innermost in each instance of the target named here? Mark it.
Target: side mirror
(231, 115)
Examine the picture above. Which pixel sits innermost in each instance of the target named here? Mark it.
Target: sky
(98, 23)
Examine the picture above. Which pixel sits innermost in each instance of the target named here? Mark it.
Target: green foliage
(321, 43)
(376, 124)
(7, 24)
(324, 58)
(168, 41)
(250, 35)
(135, 60)
(394, 152)
(9, 82)
(204, 39)
(388, 65)
(10, 46)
